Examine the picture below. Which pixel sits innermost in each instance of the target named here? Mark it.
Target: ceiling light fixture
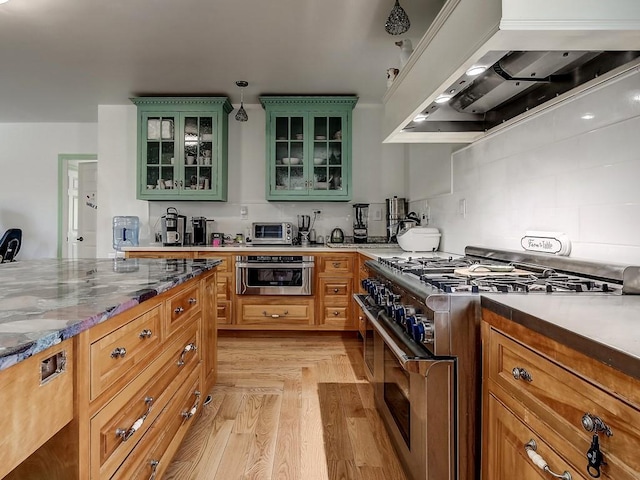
(241, 115)
(421, 117)
(398, 22)
(3, 1)
(588, 116)
(476, 70)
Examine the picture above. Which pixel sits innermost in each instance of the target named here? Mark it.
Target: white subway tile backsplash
(554, 172)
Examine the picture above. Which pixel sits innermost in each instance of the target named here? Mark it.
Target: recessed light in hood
(516, 82)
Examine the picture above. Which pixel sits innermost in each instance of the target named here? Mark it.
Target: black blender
(360, 222)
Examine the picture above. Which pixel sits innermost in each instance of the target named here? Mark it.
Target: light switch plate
(244, 212)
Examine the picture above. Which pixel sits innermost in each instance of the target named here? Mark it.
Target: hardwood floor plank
(343, 470)
(248, 413)
(364, 443)
(234, 460)
(334, 423)
(286, 464)
(261, 454)
(312, 450)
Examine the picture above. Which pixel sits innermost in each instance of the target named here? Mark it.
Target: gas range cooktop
(494, 271)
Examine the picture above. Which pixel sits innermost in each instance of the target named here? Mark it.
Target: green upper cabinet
(308, 147)
(182, 148)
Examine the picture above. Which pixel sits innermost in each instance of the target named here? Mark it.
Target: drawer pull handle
(193, 301)
(275, 315)
(520, 373)
(335, 290)
(530, 447)
(188, 348)
(118, 352)
(124, 433)
(146, 333)
(192, 411)
(336, 313)
(593, 423)
(154, 466)
(178, 310)
(336, 264)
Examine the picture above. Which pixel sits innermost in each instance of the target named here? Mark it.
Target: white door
(87, 210)
(71, 219)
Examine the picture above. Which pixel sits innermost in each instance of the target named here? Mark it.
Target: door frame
(64, 160)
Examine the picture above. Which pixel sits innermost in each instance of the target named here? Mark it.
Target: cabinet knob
(335, 290)
(193, 301)
(593, 423)
(336, 264)
(336, 313)
(146, 333)
(118, 352)
(178, 310)
(520, 373)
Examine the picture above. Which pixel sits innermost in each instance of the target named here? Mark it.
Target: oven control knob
(422, 330)
(396, 312)
(409, 322)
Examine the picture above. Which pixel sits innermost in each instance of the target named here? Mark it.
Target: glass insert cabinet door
(308, 148)
(182, 154)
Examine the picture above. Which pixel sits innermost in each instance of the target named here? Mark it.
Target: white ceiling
(60, 59)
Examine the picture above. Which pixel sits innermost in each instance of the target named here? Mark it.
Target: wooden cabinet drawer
(182, 306)
(116, 428)
(121, 354)
(561, 399)
(277, 312)
(157, 447)
(508, 436)
(337, 264)
(227, 259)
(335, 315)
(223, 310)
(26, 425)
(335, 290)
(223, 287)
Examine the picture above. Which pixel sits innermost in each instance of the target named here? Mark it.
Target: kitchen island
(96, 337)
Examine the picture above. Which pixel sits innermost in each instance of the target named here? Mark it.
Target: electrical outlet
(377, 214)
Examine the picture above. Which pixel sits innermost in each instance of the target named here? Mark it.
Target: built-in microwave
(271, 233)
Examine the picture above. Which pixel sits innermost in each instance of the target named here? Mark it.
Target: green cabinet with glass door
(182, 148)
(308, 147)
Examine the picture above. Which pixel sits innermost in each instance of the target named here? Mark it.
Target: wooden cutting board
(481, 272)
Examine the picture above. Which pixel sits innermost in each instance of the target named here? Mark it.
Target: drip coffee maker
(360, 222)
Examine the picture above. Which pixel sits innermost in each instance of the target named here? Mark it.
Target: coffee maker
(396, 213)
(173, 228)
(360, 222)
(199, 225)
(304, 224)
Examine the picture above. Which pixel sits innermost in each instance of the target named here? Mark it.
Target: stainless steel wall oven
(274, 274)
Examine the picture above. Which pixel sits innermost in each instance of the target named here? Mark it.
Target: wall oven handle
(241, 265)
(530, 447)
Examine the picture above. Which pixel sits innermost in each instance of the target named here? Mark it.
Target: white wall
(29, 179)
(117, 174)
(554, 172)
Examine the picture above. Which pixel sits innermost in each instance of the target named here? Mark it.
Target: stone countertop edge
(43, 340)
(604, 328)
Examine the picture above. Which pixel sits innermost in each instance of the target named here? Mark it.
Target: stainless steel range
(422, 347)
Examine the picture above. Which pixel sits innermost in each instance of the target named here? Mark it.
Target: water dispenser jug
(125, 232)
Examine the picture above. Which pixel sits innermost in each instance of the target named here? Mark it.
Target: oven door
(274, 278)
(367, 348)
(415, 396)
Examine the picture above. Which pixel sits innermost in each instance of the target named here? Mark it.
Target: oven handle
(240, 265)
(411, 364)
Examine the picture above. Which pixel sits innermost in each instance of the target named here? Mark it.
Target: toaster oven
(272, 233)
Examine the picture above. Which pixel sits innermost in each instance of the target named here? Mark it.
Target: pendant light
(241, 115)
(398, 21)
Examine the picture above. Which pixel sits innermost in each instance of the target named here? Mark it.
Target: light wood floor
(288, 408)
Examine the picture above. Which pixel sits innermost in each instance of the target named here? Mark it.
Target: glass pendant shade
(398, 21)
(241, 114)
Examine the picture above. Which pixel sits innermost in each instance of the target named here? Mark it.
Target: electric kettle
(337, 236)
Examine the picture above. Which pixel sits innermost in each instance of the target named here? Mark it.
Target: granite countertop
(43, 302)
(604, 327)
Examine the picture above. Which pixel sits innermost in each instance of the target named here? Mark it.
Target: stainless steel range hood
(535, 54)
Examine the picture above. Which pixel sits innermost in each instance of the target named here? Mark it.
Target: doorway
(77, 205)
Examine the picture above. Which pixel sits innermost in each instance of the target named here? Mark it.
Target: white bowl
(319, 161)
(291, 161)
